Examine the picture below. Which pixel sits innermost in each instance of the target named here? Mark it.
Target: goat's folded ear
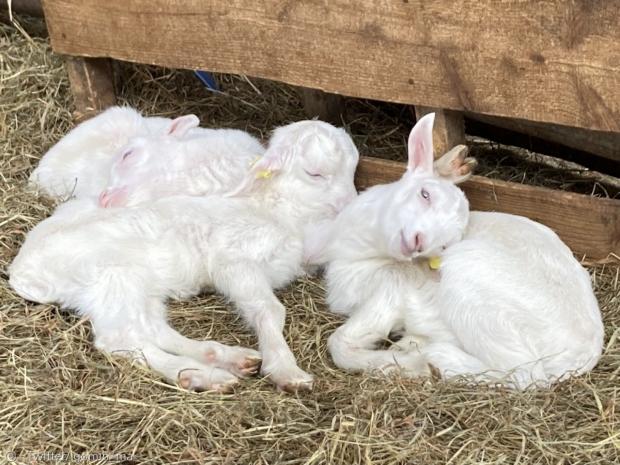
(421, 145)
(178, 127)
(262, 169)
(455, 165)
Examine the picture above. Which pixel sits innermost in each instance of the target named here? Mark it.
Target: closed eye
(314, 175)
(127, 153)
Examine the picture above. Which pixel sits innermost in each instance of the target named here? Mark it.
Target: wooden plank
(92, 85)
(553, 61)
(448, 129)
(589, 226)
(603, 144)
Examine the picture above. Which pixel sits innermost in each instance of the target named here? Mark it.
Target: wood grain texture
(448, 128)
(92, 85)
(589, 226)
(550, 60)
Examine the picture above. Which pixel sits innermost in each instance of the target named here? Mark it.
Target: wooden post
(449, 128)
(325, 106)
(92, 85)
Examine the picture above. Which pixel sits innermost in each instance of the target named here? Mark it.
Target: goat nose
(103, 199)
(417, 242)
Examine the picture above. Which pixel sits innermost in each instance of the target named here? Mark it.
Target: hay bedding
(59, 395)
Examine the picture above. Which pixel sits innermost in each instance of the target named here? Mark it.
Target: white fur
(118, 266)
(510, 303)
(181, 159)
(135, 159)
(79, 164)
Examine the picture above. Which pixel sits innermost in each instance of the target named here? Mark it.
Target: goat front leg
(249, 289)
(352, 345)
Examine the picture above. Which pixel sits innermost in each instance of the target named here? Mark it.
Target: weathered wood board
(554, 60)
(448, 128)
(590, 226)
(92, 85)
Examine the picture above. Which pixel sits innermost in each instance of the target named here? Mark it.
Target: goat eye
(127, 153)
(314, 175)
(425, 195)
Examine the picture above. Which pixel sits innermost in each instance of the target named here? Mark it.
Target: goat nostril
(103, 199)
(417, 242)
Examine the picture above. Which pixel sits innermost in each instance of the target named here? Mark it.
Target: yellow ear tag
(434, 263)
(263, 174)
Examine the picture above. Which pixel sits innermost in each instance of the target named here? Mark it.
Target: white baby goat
(510, 303)
(79, 164)
(138, 159)
(118, 266)
(181, 159)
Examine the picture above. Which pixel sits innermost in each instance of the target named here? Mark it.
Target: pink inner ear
(181, 125)
(421, 144)
(419, 152)
(174, 126)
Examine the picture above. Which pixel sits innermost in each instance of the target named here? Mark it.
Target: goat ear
(271, 162)
(181, 125)
(263, 168)
(421, 145)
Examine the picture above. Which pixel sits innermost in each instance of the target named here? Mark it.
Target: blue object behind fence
(207, 79)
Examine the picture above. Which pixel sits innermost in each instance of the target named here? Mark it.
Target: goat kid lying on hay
(204, 364)
(512, 305)
(243, 244)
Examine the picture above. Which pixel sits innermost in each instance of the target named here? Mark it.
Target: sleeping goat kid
(119, 149)
(508, 304)
(243, 246)
(179, 160)
(79, 163)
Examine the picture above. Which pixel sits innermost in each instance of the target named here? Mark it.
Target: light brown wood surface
(448, 128)
(589, 226)
(92, 85)
(551, 60)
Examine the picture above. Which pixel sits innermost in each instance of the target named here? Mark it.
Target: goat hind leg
(241, 361)
(247, 286)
